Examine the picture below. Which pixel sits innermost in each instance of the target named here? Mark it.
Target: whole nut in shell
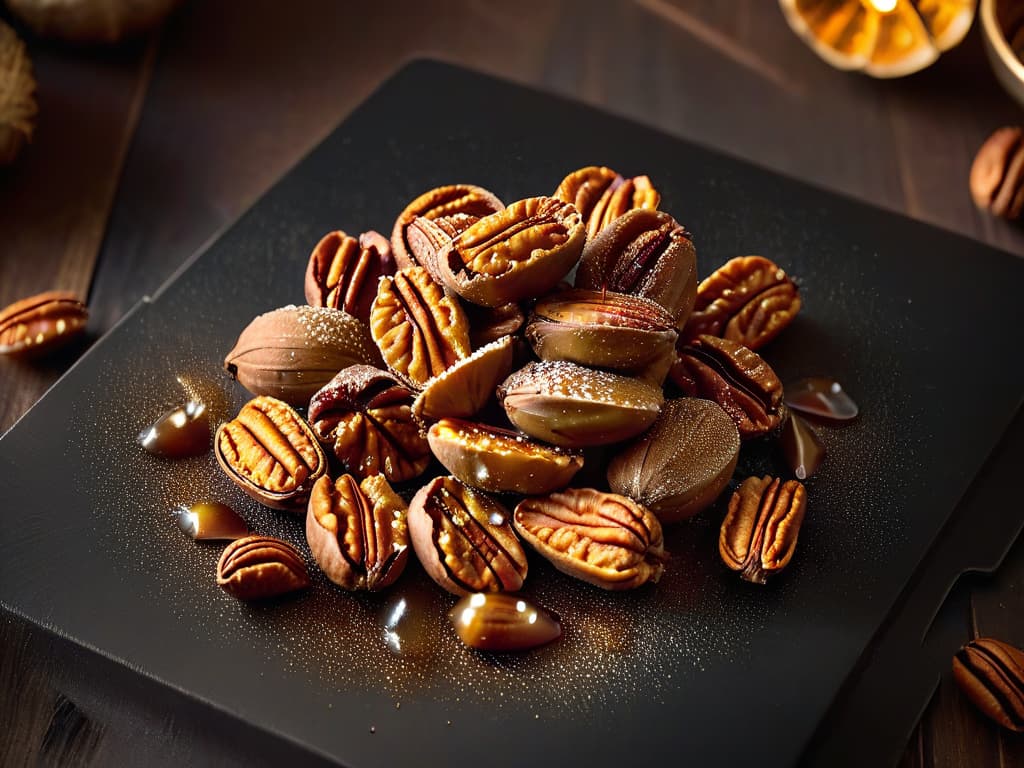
(41, 323)
(364, 415)
(17, 96)
(760, 530)
(258, 567)
(439, 203)
(997, 175)
(343, 272)
(749, 299)
(292, 352)
(464, 539)
(736, 378)
(357, 532)
(991, 674)
(682, 463)
(601, 195)
(499, 460)
(605, 539)
(421, 332)
(575, 407)
(644, 253)
(270, 453)
(466, 387)
(515, 254)
(501, 622)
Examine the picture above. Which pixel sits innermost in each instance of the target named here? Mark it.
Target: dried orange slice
(882, 38)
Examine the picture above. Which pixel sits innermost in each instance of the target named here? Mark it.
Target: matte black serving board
(918, 323)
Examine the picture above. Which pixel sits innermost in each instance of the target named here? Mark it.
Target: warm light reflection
(883, 6)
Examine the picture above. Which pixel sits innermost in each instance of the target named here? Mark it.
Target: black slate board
(918, 323)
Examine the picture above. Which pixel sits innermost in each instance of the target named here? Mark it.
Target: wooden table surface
(145, 151)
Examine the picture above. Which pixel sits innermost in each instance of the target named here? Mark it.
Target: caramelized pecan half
(760, 530)
(439, 203)
(991, 674)
(258, 567)
(42, 323)
(601, 195)
(343, 272)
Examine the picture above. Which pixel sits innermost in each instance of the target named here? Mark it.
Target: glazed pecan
(419, 330)
(428, 237)
(749, 300)
(736, 378)
(466, 387)
(464, 539)
(502, 622)
(602, 538)
(270, 453)
(343, 272)
(259, 567)
(601, 195)
(439, 203)
(41, 323)
(364, 415)
(357, 532)
(760, 529)
(991, 674)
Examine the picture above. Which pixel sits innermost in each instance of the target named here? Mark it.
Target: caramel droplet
(802, 448)
(498, 621)
(821, 397)
(210, 520)
(182, 431)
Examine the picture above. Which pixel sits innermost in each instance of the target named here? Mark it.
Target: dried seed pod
(17, 95)
(575, 407)
(603, 329)
(736, 378)
(421, 332)
(760, 529)
(364, 415)
(270, 453)
(439, 203)
(343, 272)
(682, 463)
(464, 539)
(499, 460)
(997, 175)
(644, 253)
(991, 674)
(502, 622)
(601, 195)
(293, 351)
(748, 300)
(41, 324)
(258, 567)
(357, 532)
(602, 538)
(515, 254)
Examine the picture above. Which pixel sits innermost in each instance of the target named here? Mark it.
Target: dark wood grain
(240, 92)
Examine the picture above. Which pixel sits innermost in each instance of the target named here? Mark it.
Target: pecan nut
(749, 300)
(644, 253)
(991, 674)
(357, 532)
(487, 324)
(364, 416)
(293, 351)
(41, 323)
(270, 453)
(601, 195)
(428, 237)
(515, 254)
(605, 539)
(343, 272)
(760, 530)
(464, 539)
(420, 331)
(466, 387)
(736, 378)
(439, 203)
(997, 174)
(258, 567)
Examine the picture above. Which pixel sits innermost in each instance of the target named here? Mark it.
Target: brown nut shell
(568, 405)
(997, 174)
(270, 453)
(260, 567)
(466, 387)
(601, 195)
(439, 203)
(499, 460)
(364, 415)
(464, 539)
(487, 324)
(681, 465)
(498, 621)
(42, 323)
(293, 351)
(605, 539)
(343, 272)
(357, 532)
(428, 237)
(515, 254)
(990, 672)
(644, 253)
(760, 530)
